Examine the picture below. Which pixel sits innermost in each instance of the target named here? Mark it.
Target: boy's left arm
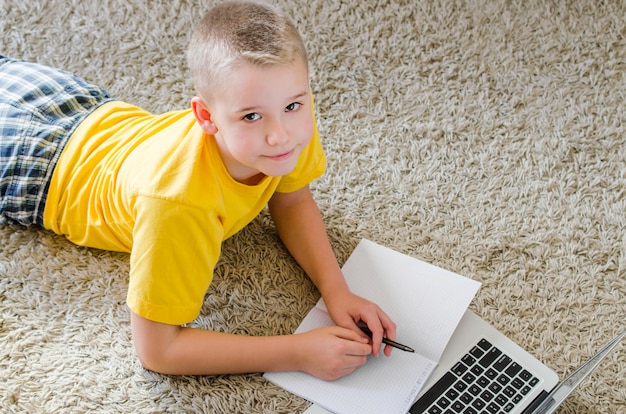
(301, 228)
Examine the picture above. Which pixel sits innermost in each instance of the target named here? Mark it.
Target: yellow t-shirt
(155, 186)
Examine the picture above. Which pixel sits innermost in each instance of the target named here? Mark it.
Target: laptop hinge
(536, 402)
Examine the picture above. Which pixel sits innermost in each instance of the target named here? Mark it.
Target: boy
(170, 188)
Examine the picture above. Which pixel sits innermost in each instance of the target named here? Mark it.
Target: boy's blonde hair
(232, 32)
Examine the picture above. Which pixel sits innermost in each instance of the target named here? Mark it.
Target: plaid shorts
(40, 107)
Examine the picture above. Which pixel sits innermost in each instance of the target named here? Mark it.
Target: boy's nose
(277, 134)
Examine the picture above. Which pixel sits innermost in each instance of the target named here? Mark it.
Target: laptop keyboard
(485, 380)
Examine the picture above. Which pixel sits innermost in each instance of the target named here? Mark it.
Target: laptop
(483, 371)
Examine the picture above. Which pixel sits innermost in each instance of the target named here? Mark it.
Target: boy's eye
(251, 117)
(294, 106)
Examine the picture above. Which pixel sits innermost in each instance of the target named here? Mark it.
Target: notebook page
(426, 303)
(382, 385)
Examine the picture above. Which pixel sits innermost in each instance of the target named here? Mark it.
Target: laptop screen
(569, 384)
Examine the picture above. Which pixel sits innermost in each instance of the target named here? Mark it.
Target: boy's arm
(327, 353)
(301, 228)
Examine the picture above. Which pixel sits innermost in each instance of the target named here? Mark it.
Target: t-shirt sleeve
(311, 165)
(175, 249)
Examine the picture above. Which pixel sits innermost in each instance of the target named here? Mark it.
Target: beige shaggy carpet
(486, 137)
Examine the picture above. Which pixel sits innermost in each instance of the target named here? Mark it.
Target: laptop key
(460, 386)
(513, 369)
(495, 387)
(478, 404)
(525, 375)
(459, 369)
(484, 344)
(501, 400)
(477, 352)
(452, 394)
(477, 369)
(502, 363)
(508, 408)
(517, 383)
(486, 396)
(489, 357)
(491, 373)
(474, 390)
(433, 393)
(468, 360)
(509, 391)
(469, 378)
(493, 408)
(443, 402)
(483, 382)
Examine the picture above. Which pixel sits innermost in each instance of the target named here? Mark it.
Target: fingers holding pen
(332, 352)
(349, 309)
(381, 326)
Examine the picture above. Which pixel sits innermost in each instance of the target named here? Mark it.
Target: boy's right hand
(331, 352)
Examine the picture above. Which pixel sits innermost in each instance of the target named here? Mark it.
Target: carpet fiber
(485, 137)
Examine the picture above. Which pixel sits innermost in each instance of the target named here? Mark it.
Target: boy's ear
(203, 115)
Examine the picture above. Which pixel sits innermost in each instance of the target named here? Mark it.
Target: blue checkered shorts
(39, 109)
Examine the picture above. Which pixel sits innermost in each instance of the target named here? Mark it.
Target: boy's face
(263, 120)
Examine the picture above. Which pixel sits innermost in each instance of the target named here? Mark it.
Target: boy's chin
(279, 171)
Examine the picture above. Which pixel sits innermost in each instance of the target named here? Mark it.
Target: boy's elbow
(151, 341)
(148, 359)
(157, 359)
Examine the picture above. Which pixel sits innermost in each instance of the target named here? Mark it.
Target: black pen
(363, 326)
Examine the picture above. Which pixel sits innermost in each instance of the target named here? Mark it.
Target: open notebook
(425, 301)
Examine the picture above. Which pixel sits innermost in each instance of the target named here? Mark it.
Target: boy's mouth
(280, 157)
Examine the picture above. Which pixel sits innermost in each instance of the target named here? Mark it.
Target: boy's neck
(254, 180)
